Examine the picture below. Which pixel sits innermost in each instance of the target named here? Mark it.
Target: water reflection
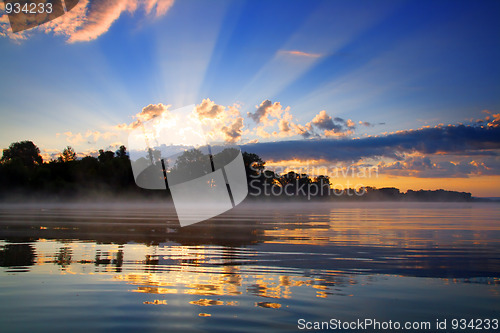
(452, 244)
(273, 260)
(17, 256)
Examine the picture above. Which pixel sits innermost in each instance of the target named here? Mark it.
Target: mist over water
(130, 265)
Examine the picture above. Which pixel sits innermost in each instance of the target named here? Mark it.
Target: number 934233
(28, 8)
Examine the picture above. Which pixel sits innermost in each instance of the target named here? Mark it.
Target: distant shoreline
(163, 197)
(24, 177)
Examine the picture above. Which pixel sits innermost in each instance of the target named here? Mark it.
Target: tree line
(23, 172)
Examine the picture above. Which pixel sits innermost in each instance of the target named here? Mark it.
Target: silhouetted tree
(189, 157)
(254, 165)
(122, 152)
(154, 155)
(189, 165)
(12, 255)
(323, 183)
(225, 156)
(67, 155)
(105, 156)
(24, 151)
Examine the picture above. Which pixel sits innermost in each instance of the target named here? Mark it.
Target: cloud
(284, 126)
(5, 30)
(225, 123)
(158, 7)
(304, 131)
(208, 109)
(152, 111)
(268, 114)
(424, 167)
(90, 19)
(265, 110)
(495, 122)
(232, 133)
(300, 53)
(50, 154)
(367, 124)
(220, 122)
(458, 140)
(333, 126)
(324, 121)
(147, 113)
(491, 120)
(74, 139)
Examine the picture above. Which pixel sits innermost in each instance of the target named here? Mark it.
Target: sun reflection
(268, 305)
(381, 227)
(212, 302)
(156, 302)
(155, 290)
(207, 270)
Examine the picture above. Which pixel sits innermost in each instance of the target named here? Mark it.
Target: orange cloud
(421, 166)
(208, 109)
(147, 113)
(301, 53)
(90, 19)
(495, 122)
(152, 111)
(491, 120)
(220, 122)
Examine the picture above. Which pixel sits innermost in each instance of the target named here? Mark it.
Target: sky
(409, 87)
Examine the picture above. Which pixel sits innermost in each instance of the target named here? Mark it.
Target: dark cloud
(261, 111)
(325, 122)
(423, 167)
(332, 126)
(457, 140)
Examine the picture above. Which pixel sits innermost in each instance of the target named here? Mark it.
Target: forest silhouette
(24, 174)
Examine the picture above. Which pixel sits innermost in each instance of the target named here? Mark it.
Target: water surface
(129, 267)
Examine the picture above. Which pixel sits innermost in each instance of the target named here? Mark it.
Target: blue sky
(397, 65)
